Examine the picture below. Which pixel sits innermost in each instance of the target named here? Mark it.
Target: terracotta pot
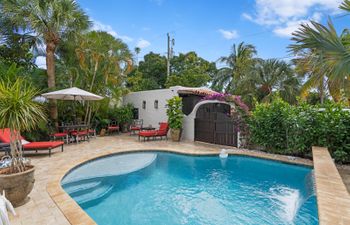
(175, 134)
(17, 186)
(103, 132)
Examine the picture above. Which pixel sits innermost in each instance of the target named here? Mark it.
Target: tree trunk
(322, 94)
(51, 82)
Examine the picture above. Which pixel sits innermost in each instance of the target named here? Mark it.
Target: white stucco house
(203, 121)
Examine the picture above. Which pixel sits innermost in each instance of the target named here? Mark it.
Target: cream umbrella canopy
(73, 94)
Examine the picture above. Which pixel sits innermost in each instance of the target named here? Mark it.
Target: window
(143, 104)
(156, 104)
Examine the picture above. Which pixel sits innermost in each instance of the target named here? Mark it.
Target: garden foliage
(287, 129)
(174, 112)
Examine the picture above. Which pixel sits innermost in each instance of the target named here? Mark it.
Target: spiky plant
(18, 112)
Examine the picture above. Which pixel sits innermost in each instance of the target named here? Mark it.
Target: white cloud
(142, 43)
(98, 26)
(289, 27)
(229, 34)
(285, 16)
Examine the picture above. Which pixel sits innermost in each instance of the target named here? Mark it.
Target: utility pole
(170, 52)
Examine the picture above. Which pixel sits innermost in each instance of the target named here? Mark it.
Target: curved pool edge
(77, 216)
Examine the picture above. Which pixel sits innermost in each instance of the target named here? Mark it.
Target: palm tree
(137, 51)
(309, 65)
(269, 77)
(238, 64)
(325, 54)
(51, 21)
(18, 112)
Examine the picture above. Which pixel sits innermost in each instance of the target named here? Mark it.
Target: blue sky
(210, 27)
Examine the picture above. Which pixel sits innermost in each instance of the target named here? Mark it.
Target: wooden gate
(214, 125)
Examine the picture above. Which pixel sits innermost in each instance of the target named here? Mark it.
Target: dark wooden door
(214, 125)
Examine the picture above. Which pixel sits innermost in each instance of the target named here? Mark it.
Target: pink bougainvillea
(237, 100)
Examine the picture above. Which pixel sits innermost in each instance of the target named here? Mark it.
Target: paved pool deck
(49, 204)
(333, 199)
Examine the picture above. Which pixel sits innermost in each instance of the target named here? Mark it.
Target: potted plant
(124, 115)
(175, 116)
(103, 125)
(18, 112)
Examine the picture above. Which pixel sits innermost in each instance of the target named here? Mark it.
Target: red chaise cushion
(148, 133)
(43, 145)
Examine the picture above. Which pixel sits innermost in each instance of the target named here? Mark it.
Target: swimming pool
(167, 188)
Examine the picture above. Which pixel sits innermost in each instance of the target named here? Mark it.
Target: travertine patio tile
(332, 196)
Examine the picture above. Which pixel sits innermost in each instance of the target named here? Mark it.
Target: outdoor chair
(113, 127)
(161, 132)
(64, 136)
(92, 132)
(80, 135)
(31, 146)
(136, 126)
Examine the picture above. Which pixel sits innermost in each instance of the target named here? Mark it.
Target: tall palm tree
(238, 64)
(268, 77)
(51, 21)
(326, 54)
(137, 52)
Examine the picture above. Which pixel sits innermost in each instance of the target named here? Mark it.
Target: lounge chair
(31, 146)
(161, 132)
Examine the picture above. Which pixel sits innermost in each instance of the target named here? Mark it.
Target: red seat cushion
(5, 135)
(162, 132)
(148, 133)
(111, 128)
(83, 132)
(59, 134)
(135, 128)
(43, 145)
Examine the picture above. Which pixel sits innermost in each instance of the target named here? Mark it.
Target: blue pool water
(165, 188)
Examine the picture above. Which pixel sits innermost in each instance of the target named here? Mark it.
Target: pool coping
(77, 216)
(333, 199)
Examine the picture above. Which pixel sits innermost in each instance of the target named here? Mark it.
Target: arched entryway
(214, 125)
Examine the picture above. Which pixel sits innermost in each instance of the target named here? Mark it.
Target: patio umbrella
(73, 94)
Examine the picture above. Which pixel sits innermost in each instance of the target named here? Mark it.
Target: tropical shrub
(124, 114)
(285, 129)
(174, 112)
(19, 112)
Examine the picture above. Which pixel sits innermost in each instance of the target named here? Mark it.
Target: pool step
(93, 194)
(74, 189)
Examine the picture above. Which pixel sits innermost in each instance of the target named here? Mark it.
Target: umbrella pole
(74, 111)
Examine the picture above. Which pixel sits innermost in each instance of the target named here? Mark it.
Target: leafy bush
(174, 112)
(124, 114)
(281, 128)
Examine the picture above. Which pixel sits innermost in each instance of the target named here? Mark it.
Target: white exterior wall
(150, 115)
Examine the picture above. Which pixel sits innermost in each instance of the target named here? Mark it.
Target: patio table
(73, 127)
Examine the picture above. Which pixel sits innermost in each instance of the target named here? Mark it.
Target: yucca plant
(19, 112)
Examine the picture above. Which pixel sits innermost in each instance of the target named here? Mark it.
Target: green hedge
(285, 129)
